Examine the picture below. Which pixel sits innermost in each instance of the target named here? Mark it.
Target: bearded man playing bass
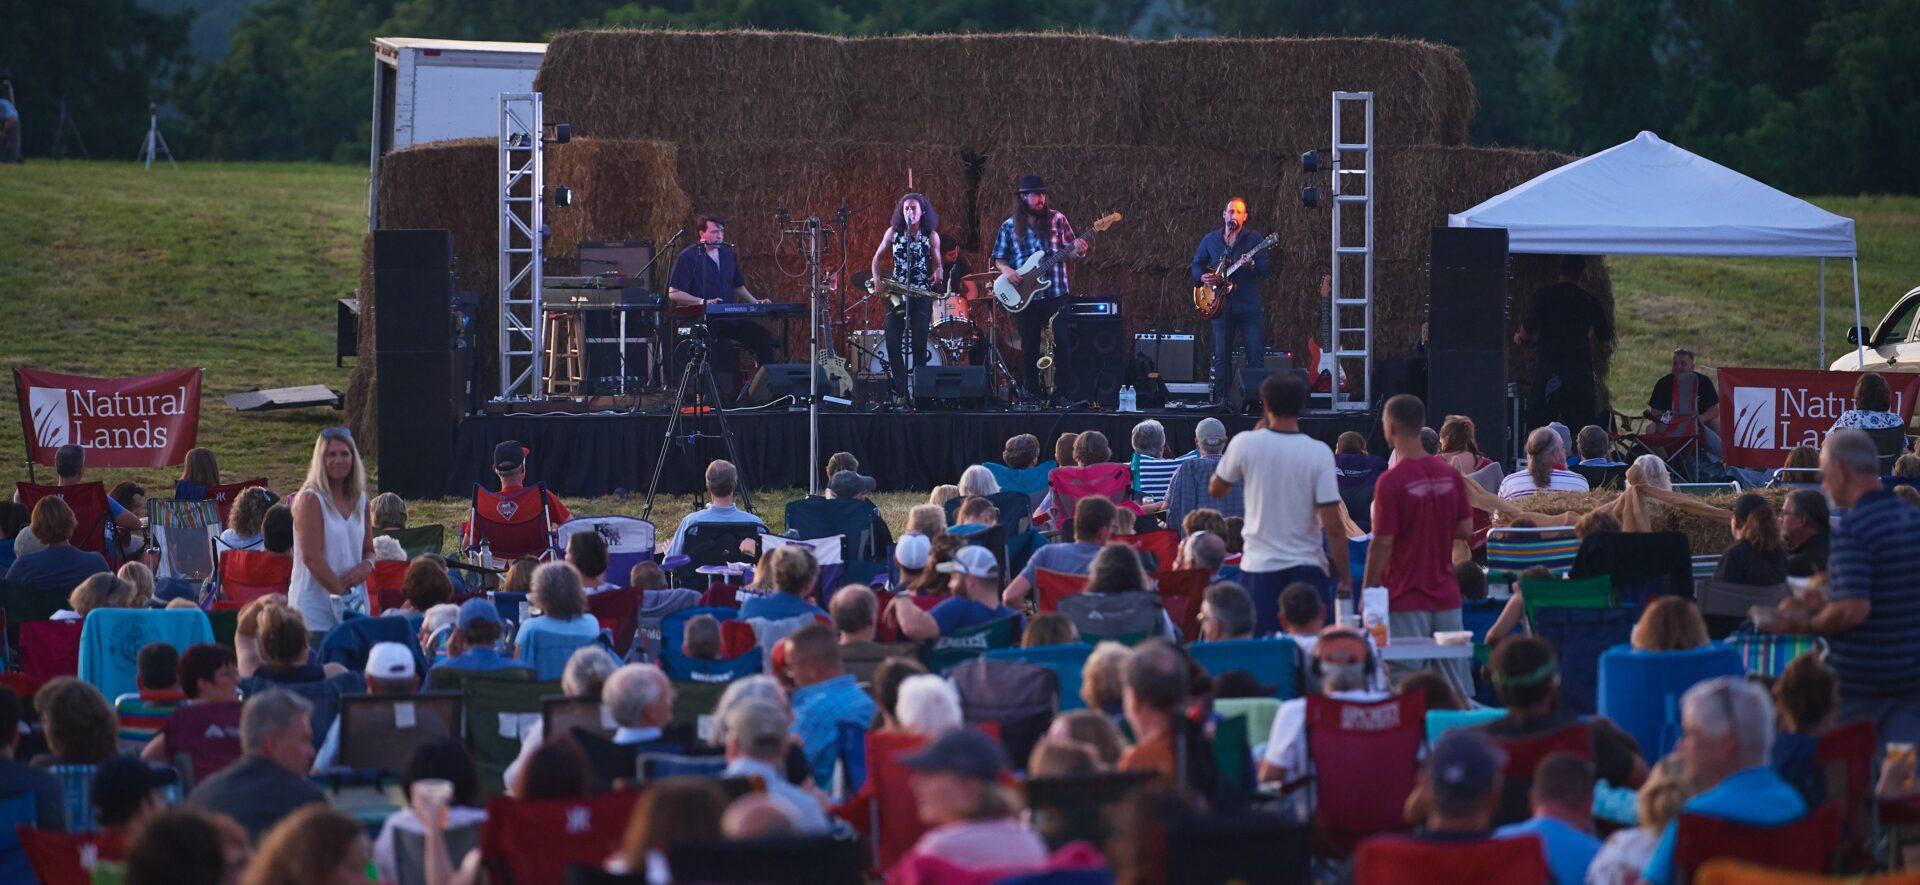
(1035, 228)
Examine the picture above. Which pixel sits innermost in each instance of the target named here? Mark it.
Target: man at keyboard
(707, 273)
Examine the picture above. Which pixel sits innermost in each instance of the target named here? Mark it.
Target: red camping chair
(1365, 761)
(618, 611)
(535, 841)
(50, 648)
(1803, 846)
(889, 627)
(383, 586)
(90, 511)
(69, 858)
(1049, 587)
(223, 496)
(1523, 758)
(1163, 544)
(514, 525)
(721, 596)
(1180, 594)
(206, 734)
(1390, 860)
(1069, 484)
(1846, 754)
(247, 575)
(1685, 437)
(884, 810)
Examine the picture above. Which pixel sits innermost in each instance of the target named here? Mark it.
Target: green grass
(112, 270)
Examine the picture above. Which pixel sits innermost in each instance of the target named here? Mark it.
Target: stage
(603, 454)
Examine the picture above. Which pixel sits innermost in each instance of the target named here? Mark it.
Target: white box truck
(434, 90)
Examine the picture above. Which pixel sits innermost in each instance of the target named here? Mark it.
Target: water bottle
(486, 553)
(1126, 398)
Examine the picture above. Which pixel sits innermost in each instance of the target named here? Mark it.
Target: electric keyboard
(762, 309)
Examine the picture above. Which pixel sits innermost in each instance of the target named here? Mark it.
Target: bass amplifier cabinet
(1174, 355)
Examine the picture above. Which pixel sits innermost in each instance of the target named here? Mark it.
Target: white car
(1892, 346)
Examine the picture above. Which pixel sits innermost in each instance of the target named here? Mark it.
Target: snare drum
(950, 319)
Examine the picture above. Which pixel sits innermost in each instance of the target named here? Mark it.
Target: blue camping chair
(852, 519)
(548, 653)
(1066, 659)
(1273, 661)
(851, 743)
(1580, 636)
(16, 810)
(676, 664)
(1640, 690)
(1440, 722)
(111, 640)
(349, 644)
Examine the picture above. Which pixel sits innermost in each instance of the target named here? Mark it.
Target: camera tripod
(696, 377)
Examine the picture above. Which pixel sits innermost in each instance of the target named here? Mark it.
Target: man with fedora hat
(1035, 228)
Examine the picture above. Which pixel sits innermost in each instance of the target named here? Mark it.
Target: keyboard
(765, 309)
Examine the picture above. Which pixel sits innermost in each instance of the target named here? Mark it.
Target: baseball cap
(848, 484)
(962, 751)
(1464, 764)
(121, 783)
(477, 609)
(390, 660)
(509, 456)
(912, 550)
(1210, 431)
(974, 562)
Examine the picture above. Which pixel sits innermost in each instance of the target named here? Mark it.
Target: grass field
(106, 269)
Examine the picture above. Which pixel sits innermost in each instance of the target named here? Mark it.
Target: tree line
(1815, 96)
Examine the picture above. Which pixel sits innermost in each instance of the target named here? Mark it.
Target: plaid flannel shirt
(1014, 250)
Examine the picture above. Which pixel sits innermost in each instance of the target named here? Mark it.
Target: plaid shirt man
(1014, 249)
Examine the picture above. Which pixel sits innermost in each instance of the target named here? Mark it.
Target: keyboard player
(708, 272)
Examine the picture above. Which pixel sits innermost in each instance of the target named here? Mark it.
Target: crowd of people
(1197, 591)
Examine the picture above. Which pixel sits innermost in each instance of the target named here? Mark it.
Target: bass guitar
(1327, 372)
(1036, 272)
(1210, 299)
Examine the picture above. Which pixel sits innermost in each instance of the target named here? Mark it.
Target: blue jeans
(1240, 322)
(1265, 589)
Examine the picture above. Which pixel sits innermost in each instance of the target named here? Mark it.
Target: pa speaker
(1471, 383)
(413, 290)
(1467, 306)
(950, 385)
(776, 380)
(1087, 354)
(420, 398)
(1248, 396)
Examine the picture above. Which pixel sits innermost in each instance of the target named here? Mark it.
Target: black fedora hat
(1033, 184)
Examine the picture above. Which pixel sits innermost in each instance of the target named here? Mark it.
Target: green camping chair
(962, 646)
(694, 701)
(498, 713)
(1258, 713)
(1594, 592)
(420, 539)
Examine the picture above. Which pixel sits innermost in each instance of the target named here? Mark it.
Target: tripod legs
(709, 390)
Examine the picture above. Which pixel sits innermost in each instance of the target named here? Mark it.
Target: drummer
(913, 239)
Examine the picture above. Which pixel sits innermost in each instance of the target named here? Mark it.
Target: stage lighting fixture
(562, 196)
(1310, 197)
(1310, 161)
(562, 133)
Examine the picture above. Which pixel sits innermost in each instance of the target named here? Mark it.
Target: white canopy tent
(1648, 197)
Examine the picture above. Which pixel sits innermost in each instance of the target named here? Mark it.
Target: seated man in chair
(1683, 403)
(723, 480)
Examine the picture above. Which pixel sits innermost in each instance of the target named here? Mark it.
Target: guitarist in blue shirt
(1242, 318)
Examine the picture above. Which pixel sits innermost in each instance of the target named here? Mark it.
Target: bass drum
(951, 321)
(877, 367)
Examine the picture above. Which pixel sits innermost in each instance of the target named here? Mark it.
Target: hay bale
(622, 189)
(977, 91)
(1705, 536)
(696, 87)
(1281, 88)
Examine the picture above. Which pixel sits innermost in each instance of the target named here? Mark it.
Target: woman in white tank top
(332, 549)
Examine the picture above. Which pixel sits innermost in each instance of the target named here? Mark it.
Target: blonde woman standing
(332, 547)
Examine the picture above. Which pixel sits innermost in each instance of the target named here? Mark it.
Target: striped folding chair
(1767, 654)
(1511, 551)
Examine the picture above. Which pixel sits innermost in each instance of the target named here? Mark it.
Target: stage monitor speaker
(781, 379)
(629, 257)
(1088, 358)
(420, 398)
(954, 386)
(1467, 302)
(1472, 383)
(413, 290)
(1247, 397)
(1172, 354)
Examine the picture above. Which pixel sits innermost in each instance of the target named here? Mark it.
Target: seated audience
(286, 662)
(1727, 729)
(1204, 520)
(1626, 852)
(757, 747)
(1063, 448)
(79, 725)
(425, 585)
(1021, 469)
(1092, 528)
(639, 700)
(20, 779)
(973, 820)
(390, 672)
(1094, 730)
(13, 524)
(1472, 580)
(1352, 463)
(839, 461)
(557, 769)
(940, 495)
(587, 551)
(445, 759)
(315, 845)
(1562, 801)
(519, 576)
(562, 603)
(928, 520)
(791, 571)
(977, 482)
(1546, 468)
(126, 791)
(1459, 446)
(127, 500)
(1595, 447)
(205, 674)
(69, 469)
(138, 576)
(59, 566)
(976, 515)
(510, 465)
(1807, 695)
(673, 812)
(1343, 657)
(474, 646)
(657, 600)
(1459, 787)
(388, 512)
(700, 638)
(1756, 557)
(1049, 628)
(1203, 550)
(928, 705)
(825, 695)
(1103, 679)
(759, 816)
(1907, 466)
(102, 590)
(887, 679)
(1226, 612)
(244, 520)
(1526, 674)
(1302, 615)
(1433, 687)
(437, 627)
(1118, 599)
(723, 480)
(585, 677)
(156, 679)
(1157, 687)
(1151, 467)
(1670, 624)
(186, 846)
(1807, 531)
(1187, 489)
(973, 599)
(270, 780)
(851, 486)
(1872, 406)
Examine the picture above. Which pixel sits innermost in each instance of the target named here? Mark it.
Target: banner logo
(1755, 413)
(52, 420)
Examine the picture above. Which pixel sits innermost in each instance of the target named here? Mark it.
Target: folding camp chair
(1274, 662)
(1440, 722)
(1514, 550)
(548, 653)
(675, 663)
(246, 575)
(629, 539)
(1890, 443)
(69, 858)
(823, 859)
(1066, 660)
(419, 540)
(1180, 593)
(88, 500)
(512, 525)
(1640, 691)
(498, 712)
(1257, 713)
(715, 543)
(694, 703)
(1391, 859)
(203, 738)
(560, 715)
(111, 639)
(25, 605)
(1640, 565)
(385, 585)
(1070, 807)
(1022, 697)
(529, 841)
(1612, 476)
(410, 850)
(1806, 845)
(49, 649)
(1524, 755)
(1565, 593)
(618, 612)
(182, 533)
(224, 495)
(1050, 587)
(849, 519)
(1161, 544)
(1680, 442)
(1845, 753)
(379, 733)
(1069, 484)
(1767, 654)
(892, 823)
(1726, 605)
(1707, 489)
(1794, 478)
(961, 646)
(1365, 762)
(349, 643)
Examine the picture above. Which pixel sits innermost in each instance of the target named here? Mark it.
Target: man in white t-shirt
(1293, 501)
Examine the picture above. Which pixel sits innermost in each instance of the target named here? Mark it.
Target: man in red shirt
(510, 464)
(1419, 510)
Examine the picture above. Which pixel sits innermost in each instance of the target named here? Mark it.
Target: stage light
(562, 196)
(562, 133)
(1310, 161)
(1310, 197)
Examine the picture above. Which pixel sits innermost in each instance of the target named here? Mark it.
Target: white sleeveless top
(346, 539)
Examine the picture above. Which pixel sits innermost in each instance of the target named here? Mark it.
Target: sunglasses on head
(336, 433)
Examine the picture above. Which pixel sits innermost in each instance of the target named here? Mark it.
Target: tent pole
(1823, 315)
(1860, 347)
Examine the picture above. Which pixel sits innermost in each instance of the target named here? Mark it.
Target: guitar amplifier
(1173, 354)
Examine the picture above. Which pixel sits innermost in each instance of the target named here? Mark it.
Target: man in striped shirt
(1872, 619)
(1151, 470)
(1035, 228)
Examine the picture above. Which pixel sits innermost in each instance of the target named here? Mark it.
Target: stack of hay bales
(671, 125)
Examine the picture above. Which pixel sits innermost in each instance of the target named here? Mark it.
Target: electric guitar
(1326, 366)
(1036, 272)
(1210, 299)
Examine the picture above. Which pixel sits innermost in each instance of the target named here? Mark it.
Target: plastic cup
(432, 793)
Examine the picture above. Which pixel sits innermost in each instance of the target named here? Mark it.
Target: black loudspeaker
(419, 396)
(1467, 333)
(950, 385)
(1173, 355)
(1087, 354)
(781, 379)
(1247, 397)
(413, 290)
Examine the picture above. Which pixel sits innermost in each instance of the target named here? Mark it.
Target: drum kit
(962, 331)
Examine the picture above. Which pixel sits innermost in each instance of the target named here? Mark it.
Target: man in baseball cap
(474, 645)
(1187, 488)
(392, 669)
(1461, 786)
(973, 598)
(971, 823)
(848, 485)
(510, 464)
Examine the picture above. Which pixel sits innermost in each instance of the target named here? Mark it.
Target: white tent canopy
(1648, 197)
